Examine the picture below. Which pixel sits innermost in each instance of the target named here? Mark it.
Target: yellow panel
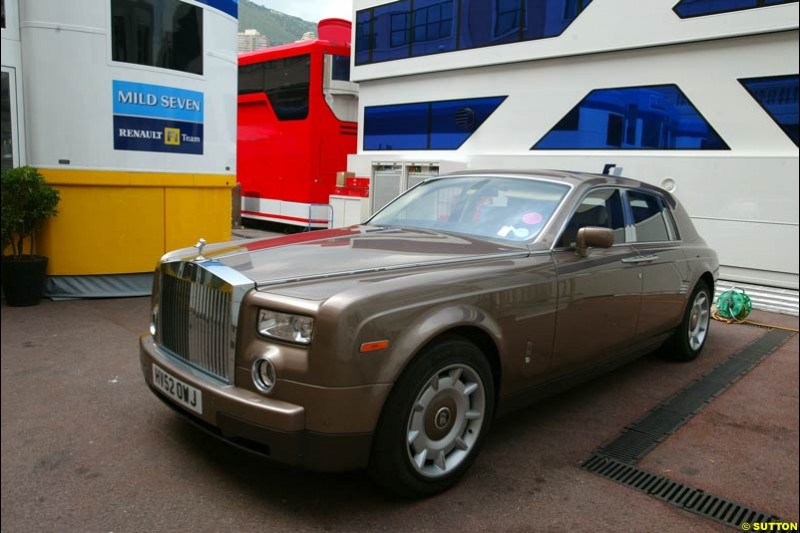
(120, 222)
(195, 213)
(105, 230)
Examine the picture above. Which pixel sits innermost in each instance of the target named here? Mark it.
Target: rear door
(664, 291)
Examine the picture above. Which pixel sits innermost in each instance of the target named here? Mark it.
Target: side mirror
(593, 237)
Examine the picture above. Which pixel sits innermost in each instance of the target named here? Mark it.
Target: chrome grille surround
(198, 314)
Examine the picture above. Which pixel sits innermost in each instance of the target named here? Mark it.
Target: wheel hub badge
(442, 418)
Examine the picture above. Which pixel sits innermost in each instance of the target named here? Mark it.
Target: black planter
(23, 280)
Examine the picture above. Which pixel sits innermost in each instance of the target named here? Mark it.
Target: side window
(656, 117)
(285, 82)
(340, 68)
(601, 208)
(699, 8)
(649, 218)
(440, 125)
(251, 78)
(778, 96)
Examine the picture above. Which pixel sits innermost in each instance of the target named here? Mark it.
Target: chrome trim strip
(724, 219)
(639, 259)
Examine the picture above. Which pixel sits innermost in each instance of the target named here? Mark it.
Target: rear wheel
(689, 339)
(435, 420)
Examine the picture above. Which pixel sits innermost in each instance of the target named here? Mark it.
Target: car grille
(195, 324)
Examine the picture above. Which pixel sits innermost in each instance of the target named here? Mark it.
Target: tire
(688, 340)
(434, 421)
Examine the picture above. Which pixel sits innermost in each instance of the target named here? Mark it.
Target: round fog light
(264, 374)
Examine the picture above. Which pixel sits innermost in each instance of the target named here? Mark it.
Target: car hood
(344, 251)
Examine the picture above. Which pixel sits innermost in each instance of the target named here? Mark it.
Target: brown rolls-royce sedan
(393, 344)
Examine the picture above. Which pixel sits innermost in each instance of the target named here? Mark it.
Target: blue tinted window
(396, 127)
(549, 18)
(453, 121)
(698, 8)
(507, 16)
(778, 95)
(340, 67)
(386, 32)
(489, 22)
(442, 125)
(364, 42)
(648, 118)
(433, 27)
(391, 31)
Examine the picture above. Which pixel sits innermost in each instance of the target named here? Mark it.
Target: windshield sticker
(532, 218)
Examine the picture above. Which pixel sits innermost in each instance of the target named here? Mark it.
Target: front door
(598, 295)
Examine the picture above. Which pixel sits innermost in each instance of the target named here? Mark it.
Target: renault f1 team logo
(157, 118)
(172, 136)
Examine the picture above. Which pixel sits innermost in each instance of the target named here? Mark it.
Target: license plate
(184, 394)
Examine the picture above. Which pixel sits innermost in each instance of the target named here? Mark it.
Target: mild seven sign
(155, 118)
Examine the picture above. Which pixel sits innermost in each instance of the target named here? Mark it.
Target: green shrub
(27, 201)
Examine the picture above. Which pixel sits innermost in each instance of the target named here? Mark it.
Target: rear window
(649, 217)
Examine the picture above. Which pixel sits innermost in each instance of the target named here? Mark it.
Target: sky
(312, 10)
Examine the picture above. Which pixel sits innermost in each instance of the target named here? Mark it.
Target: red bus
(297, 121)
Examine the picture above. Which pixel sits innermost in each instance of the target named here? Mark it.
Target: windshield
(511, 209)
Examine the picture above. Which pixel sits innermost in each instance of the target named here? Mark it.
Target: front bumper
(269, 427)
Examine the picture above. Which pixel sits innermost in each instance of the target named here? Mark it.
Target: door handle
(640, 259)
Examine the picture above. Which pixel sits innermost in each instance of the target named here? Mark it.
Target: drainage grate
(693, 398)
(630, 446)
(730, 371)
(659, 422)
(764, 345)
(615, 459)
(686, 497)
(639, 438)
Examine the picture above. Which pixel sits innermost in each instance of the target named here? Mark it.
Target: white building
(127, 107)
(249, 40)
(697, 96)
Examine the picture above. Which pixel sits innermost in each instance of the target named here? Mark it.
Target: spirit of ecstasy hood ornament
(200, 244)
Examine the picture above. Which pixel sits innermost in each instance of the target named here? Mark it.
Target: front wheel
(434, 421)
(690, 337)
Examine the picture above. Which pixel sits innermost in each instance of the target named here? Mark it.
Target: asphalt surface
(87, 448)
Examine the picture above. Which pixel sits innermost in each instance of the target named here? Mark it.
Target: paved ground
(87, 448)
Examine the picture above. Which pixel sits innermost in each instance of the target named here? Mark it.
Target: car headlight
(286, 327)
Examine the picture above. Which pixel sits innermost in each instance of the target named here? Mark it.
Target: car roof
(571, 177)
(579, 180)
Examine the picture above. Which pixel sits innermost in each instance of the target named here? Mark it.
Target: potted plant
(27, 201)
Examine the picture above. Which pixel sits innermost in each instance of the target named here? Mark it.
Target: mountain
(279, 27)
